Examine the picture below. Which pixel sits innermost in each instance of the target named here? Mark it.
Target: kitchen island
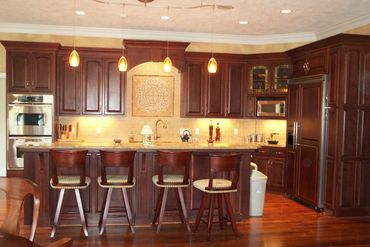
(37, 167)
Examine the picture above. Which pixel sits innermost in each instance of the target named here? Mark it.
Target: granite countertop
(138, 146)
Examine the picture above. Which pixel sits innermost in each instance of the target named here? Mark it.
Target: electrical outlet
(236, 132)
(98, 130)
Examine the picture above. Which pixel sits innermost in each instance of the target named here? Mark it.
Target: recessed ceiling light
(243, 22)
(165, 17)
(286, 11)
(80, 12)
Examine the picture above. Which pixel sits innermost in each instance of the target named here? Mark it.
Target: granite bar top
(92, 146)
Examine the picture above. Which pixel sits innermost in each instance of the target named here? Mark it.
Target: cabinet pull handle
(277, 152)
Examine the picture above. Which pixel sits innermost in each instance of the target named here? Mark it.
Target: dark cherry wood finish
(220, 164)
(16, 191)
(31, 66)
(96, 87)
(7, 239)
(125, 161)
(345, 58)
(141, 51)
(220, 94)
(142, 196)
(172, 162)
(271, 162)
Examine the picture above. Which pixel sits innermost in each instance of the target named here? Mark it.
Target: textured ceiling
(264, 17)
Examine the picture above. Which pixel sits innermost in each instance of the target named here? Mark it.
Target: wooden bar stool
(16, 191)
(219, 188)
(64, 160)
(172, 159)
(123, 182)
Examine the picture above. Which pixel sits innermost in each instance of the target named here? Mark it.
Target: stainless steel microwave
(271, 107)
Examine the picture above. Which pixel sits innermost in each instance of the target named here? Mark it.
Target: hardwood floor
(285, 223)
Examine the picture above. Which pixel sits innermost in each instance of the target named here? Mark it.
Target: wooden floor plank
(285, 223)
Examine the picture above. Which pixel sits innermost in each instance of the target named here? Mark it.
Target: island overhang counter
(37, 167)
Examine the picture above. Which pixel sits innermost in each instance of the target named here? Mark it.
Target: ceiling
(191, 20)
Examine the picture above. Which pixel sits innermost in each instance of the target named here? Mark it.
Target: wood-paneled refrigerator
(306, 130)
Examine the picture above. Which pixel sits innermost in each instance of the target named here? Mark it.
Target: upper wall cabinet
(30, 66)
(213, 95)
(96, 87)
(309, 62)
(268, 74)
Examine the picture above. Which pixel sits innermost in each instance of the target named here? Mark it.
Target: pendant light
(74, 58)
(122, 62)
(167, 63)
(212, 63)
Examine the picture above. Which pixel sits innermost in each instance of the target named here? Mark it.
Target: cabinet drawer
(263, 151)
(278, 153)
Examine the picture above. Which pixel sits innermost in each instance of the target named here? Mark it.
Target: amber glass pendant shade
(212, 65)
(122, 64)
(167, 65)
(74, 59)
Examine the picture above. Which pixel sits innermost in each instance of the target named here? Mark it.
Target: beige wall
(2, 126)
(365, 30)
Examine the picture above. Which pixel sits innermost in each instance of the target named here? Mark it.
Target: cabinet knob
(27, 84)
(33, 84)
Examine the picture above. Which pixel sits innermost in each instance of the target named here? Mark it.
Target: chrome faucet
(156, 134)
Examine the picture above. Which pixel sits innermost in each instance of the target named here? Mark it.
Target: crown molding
(157, 34)
(2, 75)
(356, 22)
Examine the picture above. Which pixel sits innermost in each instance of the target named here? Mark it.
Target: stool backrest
(16, 190)
(117, 159)
(178, 159)
(68, 159)
(226, 162)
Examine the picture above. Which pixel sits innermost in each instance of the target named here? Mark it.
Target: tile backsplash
(106, 128)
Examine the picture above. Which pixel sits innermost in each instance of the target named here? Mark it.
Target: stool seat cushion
(116, 181)
(171, 180)
(218, 184)
(70, 183)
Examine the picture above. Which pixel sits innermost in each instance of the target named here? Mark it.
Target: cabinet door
(215, 89)
(114, 89)
(193, 89)
(234, 90)
(250, 111)
(293, 104)
(69, 88)
(276, 174)
(17, 71)
(43, 72)
(259, 79)
(262, 163)
(280, 79)
(92, 85)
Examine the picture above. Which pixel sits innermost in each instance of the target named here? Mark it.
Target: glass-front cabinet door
(259, 79)
(280, 80)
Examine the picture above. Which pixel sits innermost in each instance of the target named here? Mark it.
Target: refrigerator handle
(295, 135)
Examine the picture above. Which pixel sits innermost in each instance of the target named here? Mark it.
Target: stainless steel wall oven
(30, 120)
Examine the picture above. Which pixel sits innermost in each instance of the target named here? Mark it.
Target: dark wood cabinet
(234, 83)
(346, 187)
(96, 87)
(69, 88)
(92, 85)
(219, 94)
(271, 162)
(31, 66)
(114, 88)
(310, 62)
(142, 196)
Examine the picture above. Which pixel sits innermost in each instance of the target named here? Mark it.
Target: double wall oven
(30, 120)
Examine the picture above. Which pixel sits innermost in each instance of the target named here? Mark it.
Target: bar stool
(69, 159)
(219, 188)
(123, 182)
(172, 159)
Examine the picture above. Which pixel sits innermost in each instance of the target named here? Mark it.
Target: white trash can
(257, 193)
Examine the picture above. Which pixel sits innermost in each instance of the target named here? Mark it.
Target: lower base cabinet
(271, 162)
(142, 197)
